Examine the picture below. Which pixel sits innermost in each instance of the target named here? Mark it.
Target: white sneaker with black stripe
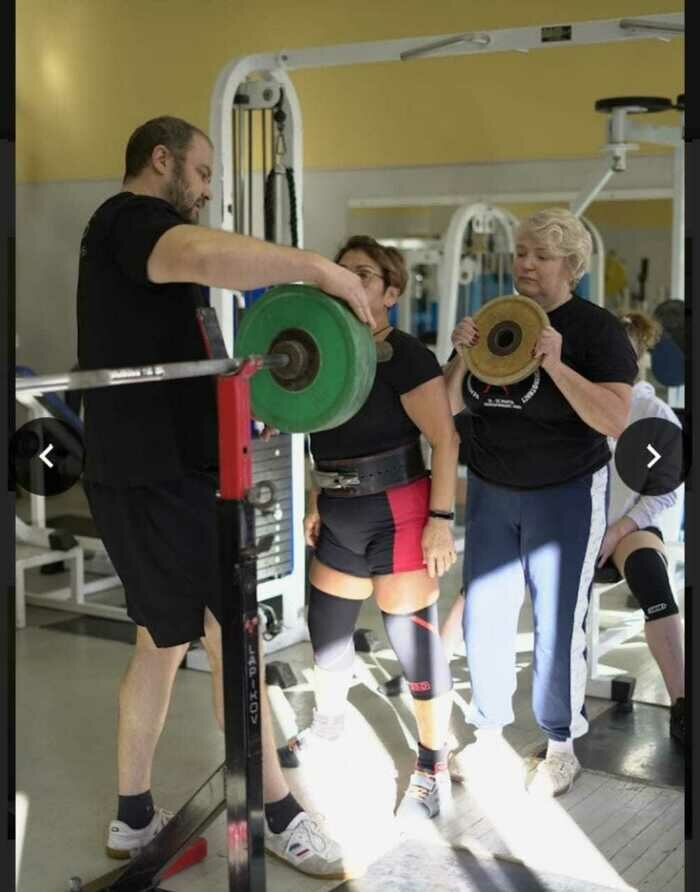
(306, 847)
(427, 796)
(124, 842)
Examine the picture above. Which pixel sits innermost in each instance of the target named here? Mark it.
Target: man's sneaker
(426, 796)
(308, 848)
(677, 720)
(320, 741)
(123, 841)
(555, 775)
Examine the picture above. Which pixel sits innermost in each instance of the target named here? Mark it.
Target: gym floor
(620, 827)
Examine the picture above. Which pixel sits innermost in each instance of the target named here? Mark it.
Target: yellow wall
(89, 71)
(423, 222)
(651, 213)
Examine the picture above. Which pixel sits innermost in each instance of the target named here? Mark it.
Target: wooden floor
(602, 836)
(622, 832)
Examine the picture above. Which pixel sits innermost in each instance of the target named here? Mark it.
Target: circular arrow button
(651, 456)
(48, 456)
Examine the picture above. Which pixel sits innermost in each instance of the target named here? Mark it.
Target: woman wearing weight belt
(537, 456)
(381, 525)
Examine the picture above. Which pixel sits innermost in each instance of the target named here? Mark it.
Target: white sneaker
(123, 841)
(307, 848)
(426, 796)
(555, 775)
(315, 743)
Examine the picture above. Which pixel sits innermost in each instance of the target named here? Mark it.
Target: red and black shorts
(374, 535)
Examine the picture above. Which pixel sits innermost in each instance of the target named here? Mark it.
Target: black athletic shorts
(163, 542)
(609, 572)
(374, 535)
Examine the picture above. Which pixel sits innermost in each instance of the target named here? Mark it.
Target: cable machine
(256, 129)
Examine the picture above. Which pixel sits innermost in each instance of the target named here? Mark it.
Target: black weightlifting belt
(370, 473)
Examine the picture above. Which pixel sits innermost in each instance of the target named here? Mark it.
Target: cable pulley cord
(279, 151)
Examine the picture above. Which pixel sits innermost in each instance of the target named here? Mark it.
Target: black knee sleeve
(331, 625)
(417, 644)
(647, 578)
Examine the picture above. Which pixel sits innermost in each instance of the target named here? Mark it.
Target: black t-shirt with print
(141, 433)
(382, 423)
(527, 435)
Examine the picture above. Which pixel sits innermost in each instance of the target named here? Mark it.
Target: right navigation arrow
(655, 454)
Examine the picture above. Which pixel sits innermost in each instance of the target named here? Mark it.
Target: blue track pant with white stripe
(547, 539)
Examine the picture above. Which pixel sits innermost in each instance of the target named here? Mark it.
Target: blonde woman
(537, 456)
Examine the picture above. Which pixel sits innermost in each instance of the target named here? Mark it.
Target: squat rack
(237, 785)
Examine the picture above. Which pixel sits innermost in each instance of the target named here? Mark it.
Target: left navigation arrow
(42, 456)
(47, 455)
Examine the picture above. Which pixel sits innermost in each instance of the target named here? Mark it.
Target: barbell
(316, 361)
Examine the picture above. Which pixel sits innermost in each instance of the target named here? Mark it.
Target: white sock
(331, 690)
(560, 746)
(329, 727)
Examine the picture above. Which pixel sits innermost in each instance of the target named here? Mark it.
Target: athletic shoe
(554, 775)
(123, 841)
(426, 796)
(394, 686)
(320, 741)
(677, 720)
(307, 848)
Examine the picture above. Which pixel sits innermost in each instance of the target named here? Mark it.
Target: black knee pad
(647, 578)
(331, 624)
(416, 640)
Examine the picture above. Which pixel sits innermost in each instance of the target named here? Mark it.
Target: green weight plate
(339, 359)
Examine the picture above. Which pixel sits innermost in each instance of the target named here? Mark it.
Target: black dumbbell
(280, 674)
(366, 642)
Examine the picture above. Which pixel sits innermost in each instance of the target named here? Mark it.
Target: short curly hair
(562, 233)
(389, 260)
(642, 330)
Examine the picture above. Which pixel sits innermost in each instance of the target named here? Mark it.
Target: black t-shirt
(382, 423)
(141, 433)
(527, 435)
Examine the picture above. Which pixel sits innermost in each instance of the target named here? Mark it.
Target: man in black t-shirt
(151, 450)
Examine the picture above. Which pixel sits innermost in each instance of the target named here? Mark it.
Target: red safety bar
(235, 462)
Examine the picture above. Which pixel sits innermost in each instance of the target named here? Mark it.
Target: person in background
(633, 545)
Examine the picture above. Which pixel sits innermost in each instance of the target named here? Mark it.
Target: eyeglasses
(365, 274)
